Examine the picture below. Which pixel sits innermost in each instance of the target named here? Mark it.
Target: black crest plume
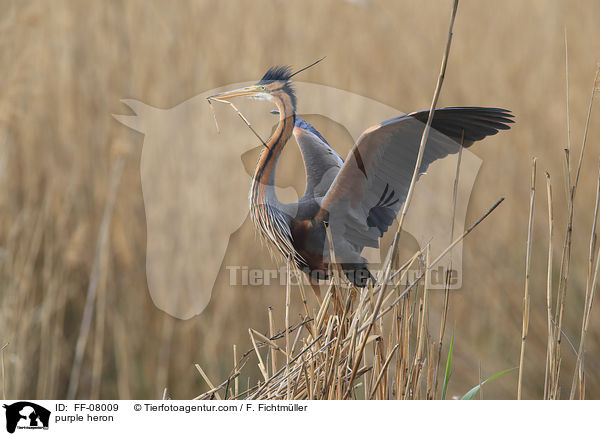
(283, 73)
(279, 73)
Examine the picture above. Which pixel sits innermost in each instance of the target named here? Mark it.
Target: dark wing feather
(372, 185)
(478, 122)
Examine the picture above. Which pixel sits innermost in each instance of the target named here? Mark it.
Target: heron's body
(357, 199)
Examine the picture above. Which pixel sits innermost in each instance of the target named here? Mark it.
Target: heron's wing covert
(372, 185)
(321, 162)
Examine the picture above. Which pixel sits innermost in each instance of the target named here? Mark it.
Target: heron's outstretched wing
(321, 162)
(369, 190)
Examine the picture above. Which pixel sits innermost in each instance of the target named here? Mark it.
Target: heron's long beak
(248, 91)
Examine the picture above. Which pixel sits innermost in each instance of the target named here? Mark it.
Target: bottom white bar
(298, 417)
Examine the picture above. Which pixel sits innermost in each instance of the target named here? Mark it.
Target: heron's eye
(263, 88)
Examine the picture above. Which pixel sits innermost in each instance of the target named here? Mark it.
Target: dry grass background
(67, 64)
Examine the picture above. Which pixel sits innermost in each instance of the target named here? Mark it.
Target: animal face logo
(195, 188)
(26, 415)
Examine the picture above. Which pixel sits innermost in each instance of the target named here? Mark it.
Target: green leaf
(448, 366)
(471, 394)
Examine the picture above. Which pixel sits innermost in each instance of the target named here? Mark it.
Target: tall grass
(352, 351)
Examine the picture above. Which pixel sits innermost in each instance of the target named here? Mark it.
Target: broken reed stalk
(567, 96)
(299, 277)
(236, 383)
(595, 88)
(550, 343)
(261, 363)
(208, 382)
(422, 326)
(425, 135)
(271, 333)
(287, 324)
(563, 279)
(566, 251)
(383, 370)
(3, 373)
(450, 269)
(526, 298)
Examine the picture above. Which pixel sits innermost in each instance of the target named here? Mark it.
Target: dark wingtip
(477, 122)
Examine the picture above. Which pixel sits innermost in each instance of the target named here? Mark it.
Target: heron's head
(275, 84)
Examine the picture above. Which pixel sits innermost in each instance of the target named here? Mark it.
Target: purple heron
(359, 198)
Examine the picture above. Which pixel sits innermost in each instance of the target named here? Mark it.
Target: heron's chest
(310, 241)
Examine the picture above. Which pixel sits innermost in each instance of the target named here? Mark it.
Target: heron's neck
(263, 183)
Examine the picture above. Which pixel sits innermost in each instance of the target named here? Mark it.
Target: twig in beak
(212, 111)
(210, 99)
